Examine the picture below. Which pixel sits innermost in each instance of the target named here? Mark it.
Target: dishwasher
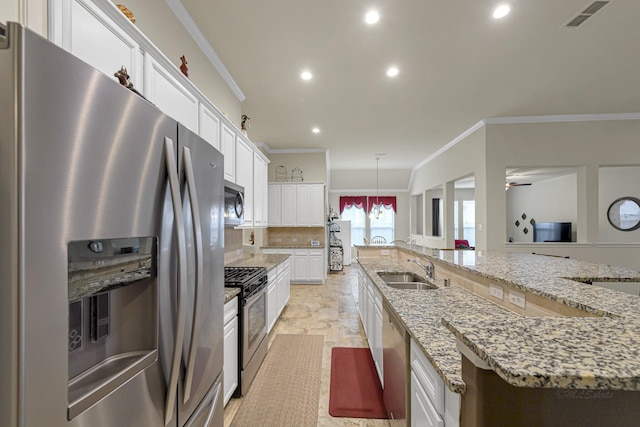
(395, 369)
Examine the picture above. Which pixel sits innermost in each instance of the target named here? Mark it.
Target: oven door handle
(174, 186)
(197, 231)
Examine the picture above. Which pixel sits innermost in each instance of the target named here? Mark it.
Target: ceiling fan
(515, 184)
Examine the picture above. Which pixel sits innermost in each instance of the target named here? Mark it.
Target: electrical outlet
(496, 291)
(384, 251)
(295, 239)
(517, 298)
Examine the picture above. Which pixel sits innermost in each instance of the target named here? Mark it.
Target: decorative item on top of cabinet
(123, 77)
(296, 175)
(126, 12)
(183, 66)
(281, 174)
(244, 125)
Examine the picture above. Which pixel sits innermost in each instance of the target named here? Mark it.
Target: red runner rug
(354, 390)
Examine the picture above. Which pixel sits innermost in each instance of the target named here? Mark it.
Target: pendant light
(378, 212)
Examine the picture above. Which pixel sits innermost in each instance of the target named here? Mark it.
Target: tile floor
(329, 310)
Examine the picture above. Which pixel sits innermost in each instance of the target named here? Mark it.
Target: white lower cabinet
(306, 265)
(317, 265)
(370, 309)
(272, 299)
(230, 369)
(432, 403)
(278, 292)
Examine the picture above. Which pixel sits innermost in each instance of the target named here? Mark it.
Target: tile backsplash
(293, 236)
(232, 245)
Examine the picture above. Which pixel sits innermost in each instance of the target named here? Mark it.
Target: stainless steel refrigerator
(111, 231)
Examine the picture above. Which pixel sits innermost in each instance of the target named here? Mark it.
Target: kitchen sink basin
(402, 280)
(412, 285)
(400, 277)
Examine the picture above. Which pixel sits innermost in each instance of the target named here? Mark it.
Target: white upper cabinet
(317, 210)
(244, 177)
(296, 205)
(228, 148)
(260, 191)
(288, 209)
(274, 218)
(81, 28)
(209, 124)
(169, 95)
(97, 32)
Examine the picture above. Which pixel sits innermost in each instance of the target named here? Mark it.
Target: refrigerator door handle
(197, 231)
(174, 185)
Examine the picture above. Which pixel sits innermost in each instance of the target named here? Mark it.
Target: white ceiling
(457, 67)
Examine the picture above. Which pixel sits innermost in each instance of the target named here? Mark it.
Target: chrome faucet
(429, 269)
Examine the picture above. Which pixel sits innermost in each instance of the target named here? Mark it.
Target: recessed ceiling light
(392, 71)
(501, 11)
(372, 17)
(306, 75)
(315, 130)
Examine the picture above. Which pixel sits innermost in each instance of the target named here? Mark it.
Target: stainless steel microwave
(233, 204)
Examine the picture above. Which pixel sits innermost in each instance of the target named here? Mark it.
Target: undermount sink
(402, 280)
(412, 285)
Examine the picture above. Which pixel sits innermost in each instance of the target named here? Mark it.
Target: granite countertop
(230, 293)
(564, 352)
(294, 247)
(259, 260)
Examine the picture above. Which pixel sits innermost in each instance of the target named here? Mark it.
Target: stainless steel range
(252, 342)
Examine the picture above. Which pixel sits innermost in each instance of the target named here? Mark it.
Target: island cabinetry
(296, 205)
(370, 309)
(432, 404)
(230, 364)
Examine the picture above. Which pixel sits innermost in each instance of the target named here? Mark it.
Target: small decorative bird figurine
(245, 122)
(183, 67)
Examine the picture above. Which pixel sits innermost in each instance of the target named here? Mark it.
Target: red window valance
(348, 201)
(386, 201)
(368, 202)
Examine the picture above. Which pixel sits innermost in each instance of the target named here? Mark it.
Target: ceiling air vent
(586, 13)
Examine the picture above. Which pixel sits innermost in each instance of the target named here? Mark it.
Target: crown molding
(561, 118)
(184, 17)
(290, 150)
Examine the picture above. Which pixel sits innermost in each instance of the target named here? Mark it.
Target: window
(384, 225)
(357, 217)
(469, 221)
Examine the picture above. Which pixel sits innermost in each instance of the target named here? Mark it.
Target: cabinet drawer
(427, 377)
(316, 252)
(230, 310)
(301, 252)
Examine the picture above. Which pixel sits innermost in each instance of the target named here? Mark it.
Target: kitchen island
(582, 337)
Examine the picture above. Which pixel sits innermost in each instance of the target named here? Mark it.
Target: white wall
(465, 158)
(313, 165)
(365, 179)
(551, 200)
(31, 13)
(585, 145)
(616, 182)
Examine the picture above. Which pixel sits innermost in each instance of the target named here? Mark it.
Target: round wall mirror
(624, 214)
